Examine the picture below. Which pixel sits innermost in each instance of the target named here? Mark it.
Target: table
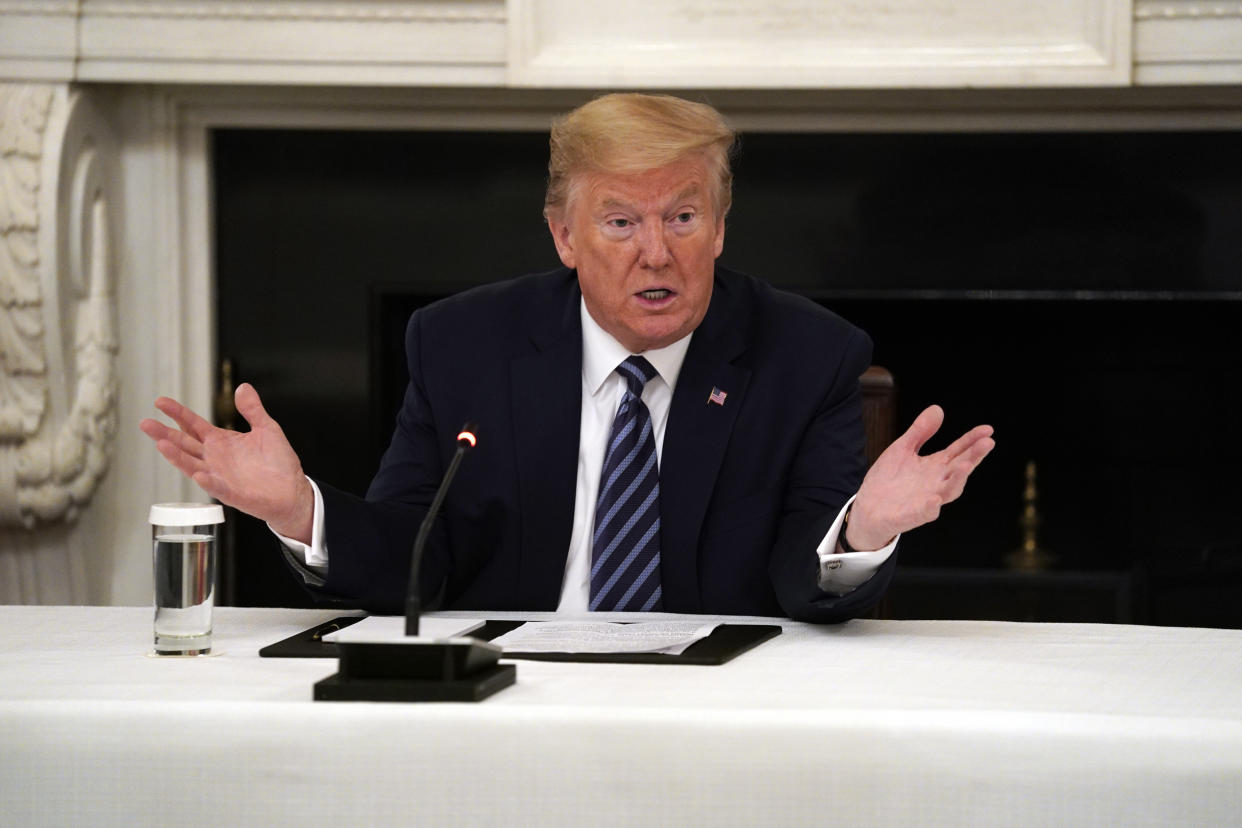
(870, 722)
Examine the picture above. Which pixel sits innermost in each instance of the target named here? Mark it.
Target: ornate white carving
(23, 117)
(57, 335)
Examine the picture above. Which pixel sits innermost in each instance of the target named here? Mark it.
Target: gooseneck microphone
(466, 440)
(458, 669)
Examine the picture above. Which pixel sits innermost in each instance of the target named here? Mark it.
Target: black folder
(309, 643)
(725, 643)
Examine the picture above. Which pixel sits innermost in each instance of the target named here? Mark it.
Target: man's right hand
(257, 471)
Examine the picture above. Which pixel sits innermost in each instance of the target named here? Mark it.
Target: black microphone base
(457, 670)
(475, 688)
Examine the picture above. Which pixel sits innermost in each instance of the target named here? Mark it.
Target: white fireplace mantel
(107, 107)
(645, 43)
(570, 43)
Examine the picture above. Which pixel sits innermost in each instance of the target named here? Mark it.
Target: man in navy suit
(760, 504)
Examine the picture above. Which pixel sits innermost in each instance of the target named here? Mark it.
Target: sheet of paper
(392, 627)
(670, 637)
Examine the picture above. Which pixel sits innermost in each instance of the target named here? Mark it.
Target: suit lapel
(694, 442)
(546, 393)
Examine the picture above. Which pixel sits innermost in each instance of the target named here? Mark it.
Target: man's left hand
(904, 489)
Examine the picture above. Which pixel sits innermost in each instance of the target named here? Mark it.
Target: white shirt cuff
(314, 555)
(842, 572)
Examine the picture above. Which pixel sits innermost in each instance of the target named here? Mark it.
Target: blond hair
(632, 133)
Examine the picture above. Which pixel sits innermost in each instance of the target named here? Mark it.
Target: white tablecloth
(871, 722)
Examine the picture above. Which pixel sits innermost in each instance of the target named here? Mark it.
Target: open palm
(904, 489)
(257, 471)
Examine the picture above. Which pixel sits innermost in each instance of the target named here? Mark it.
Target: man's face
(645, 247)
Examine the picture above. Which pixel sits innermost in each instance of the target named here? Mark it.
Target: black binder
(725, 643)
(309, 643)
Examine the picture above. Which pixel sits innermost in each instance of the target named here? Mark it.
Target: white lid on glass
(186, 514)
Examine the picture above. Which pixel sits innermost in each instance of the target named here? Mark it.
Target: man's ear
(562, 238)
(720, 228)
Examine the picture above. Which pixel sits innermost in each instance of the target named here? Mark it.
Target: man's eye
(684, 218)
(619, 223)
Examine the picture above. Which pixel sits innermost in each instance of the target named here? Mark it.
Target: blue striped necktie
(625, 549)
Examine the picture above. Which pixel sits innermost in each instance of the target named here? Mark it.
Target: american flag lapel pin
(717, 396)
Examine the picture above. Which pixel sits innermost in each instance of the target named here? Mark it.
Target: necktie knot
(637, 372)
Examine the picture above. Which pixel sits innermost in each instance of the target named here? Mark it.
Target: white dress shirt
(602, 390)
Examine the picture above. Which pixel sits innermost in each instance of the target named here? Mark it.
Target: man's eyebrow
(617, 204)
(692, 190)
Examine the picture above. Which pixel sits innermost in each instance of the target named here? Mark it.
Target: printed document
(671, 637)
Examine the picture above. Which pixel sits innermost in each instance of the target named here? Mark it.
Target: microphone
(413, 669)
(466, 440)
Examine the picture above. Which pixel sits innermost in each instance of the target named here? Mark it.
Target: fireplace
(110, 113)
(1077, 290)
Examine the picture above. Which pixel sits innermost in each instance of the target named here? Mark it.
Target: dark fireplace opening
(1079, 291)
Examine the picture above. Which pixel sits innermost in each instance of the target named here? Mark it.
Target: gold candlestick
(224, 411)
(1029, 557)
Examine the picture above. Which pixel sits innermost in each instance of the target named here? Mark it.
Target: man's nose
(653, 245)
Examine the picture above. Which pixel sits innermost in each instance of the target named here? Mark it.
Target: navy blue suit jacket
(748, 488)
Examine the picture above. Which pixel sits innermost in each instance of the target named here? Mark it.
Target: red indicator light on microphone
(468, 437)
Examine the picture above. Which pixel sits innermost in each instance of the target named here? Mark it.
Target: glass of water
(183, 541)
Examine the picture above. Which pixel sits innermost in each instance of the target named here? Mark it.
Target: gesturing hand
(904, 490)
(257, 472)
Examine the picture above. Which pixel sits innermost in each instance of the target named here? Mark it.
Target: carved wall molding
(819, 43)
(44, 8)
(323, 11)
(480, 10)
(1187, 11)
(58, 343)
(1183, 42)
(569, 44)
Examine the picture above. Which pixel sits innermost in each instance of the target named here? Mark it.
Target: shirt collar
(601, 354)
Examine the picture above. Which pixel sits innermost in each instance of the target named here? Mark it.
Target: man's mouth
(655, 295)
